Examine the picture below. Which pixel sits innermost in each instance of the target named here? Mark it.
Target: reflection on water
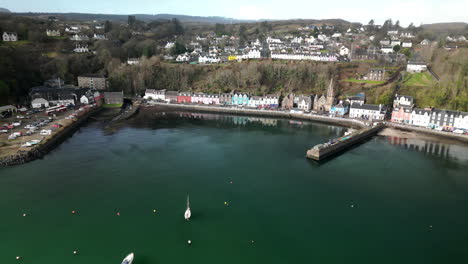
(436, 149)
(236, 120)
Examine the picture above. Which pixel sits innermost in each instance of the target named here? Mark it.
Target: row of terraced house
(240, 99)
(404, 112)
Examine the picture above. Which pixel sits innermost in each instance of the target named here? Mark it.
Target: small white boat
(128, 259)
(187, 213)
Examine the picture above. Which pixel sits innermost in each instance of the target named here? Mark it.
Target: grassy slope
(451, 92)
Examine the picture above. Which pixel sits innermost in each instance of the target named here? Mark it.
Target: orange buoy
(118, 214)
(73, 212)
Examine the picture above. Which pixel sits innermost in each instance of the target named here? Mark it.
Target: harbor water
(254, 197)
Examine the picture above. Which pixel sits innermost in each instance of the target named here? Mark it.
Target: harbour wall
(264, 113)
(333, 149)
(39, 151)
(428, 131)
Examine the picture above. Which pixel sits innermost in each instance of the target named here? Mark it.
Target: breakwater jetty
(335, 146)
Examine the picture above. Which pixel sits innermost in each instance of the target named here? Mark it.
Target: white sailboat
(188, 213)
(128, 259)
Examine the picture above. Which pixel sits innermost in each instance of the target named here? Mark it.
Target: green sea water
(388, 200)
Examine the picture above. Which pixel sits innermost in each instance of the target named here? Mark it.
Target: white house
(77, 37)
(271, 101)
(152, 94)
(169, 45)
(297, 40)
(420, 117)
(255, 101)
(416, 66)
(273, 40)
(253, 54)
(10, 36)
(81, 48)
(322, 37)
(395, 42)
(407, 44)
(208, 59)
(336, 35)
(305, 103)
(461, 121)
(183, 57)
(133, 61)
(39, 103)
(425, 42)
(53, 33)
(99, 37)
(407, 35)
(344, 51)
(386, 49)
(367, 111)
(84, 99)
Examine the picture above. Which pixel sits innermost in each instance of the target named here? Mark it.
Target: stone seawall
(432, 132)
(45, 147)
(320, 153)
(265, 113)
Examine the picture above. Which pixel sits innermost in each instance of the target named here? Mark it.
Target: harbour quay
(337, 145)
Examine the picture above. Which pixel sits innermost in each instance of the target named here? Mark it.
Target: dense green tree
(396, 48)
(178, 48)
(220, 29)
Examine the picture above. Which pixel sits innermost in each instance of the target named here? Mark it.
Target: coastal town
(237, 132)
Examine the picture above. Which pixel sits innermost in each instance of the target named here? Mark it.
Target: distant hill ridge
(182, 18)
(4, 10)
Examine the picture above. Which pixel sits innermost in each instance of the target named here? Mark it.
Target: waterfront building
(325, 102)
(240, 99)
(39, 103)
(210, 99)
(184, 98)
(225, 98)
(171, 96)
(271, 101)
(288, 101)
(113, 98)
(197, 98)
(401, 114)
(461, 121)
(304, 103)
(256, 101)
(133, 61)
(368, 111)
(442, 119)
(421, 117)
(92, 81)
(55, 92)
(340, 109)
(152, 94)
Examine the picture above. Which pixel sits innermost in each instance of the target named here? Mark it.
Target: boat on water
(128, 259)
(187, 213)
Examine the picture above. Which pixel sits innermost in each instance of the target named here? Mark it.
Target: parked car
(17, 124)
(12, 136)
(3, 131)
(46, 132)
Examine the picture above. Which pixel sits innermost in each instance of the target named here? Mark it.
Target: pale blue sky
(417, 11)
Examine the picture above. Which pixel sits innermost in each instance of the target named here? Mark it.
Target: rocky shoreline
(42, 149)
